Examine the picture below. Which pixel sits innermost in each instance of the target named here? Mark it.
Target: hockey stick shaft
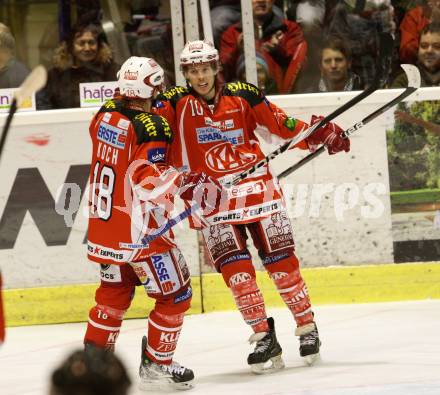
(33, 82)
(7, 125)
(414, 83)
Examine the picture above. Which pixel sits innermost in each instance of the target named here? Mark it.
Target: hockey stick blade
(33, 82)
(413, 75)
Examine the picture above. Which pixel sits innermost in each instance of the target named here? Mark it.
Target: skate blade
(275, 364)
(167, 385)
(312, 359)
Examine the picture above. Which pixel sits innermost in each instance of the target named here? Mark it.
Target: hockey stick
(413, 75)
(33, 82)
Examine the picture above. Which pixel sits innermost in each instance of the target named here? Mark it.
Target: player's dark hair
(92, 372)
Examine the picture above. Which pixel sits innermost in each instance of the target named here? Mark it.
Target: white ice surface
(368, 349)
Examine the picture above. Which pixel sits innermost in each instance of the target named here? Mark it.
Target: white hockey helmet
(198, 52)
(138, 77)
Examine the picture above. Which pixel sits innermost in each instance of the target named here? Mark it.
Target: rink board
(332, 285)
(42, 232)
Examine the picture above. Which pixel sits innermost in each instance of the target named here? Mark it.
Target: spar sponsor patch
(211, 134)
(155, 155)
(112, 135)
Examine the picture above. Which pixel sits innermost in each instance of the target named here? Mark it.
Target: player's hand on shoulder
(202, 189)
(330, 134)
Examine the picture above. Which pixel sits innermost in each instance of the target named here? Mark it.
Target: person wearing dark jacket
(428, 59)
(335, 65)
(84, 57)
(12, 72)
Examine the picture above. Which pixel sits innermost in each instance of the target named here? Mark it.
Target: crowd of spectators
(302, 46)
(333, 45)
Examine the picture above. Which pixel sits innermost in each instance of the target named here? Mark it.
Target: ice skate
(163, 377)
(309, 343)
(267, 349)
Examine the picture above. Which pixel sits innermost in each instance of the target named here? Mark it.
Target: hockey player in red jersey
(131, 192)
(216, 131)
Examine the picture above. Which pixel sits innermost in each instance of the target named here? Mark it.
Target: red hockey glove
(330, 135)
(202, 189)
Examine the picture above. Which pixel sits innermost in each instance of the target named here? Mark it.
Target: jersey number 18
(102, 190)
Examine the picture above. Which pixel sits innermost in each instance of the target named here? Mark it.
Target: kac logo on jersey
(111, 135)
(156, 155)
(225, 158)
(213, 134)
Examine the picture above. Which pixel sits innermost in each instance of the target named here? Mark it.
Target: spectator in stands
(412, 24)
(335, 65)
(225, 13)
(281, 41)
(265, 82)
(84, 57)
(91, 372)
(428, 58)
(359, 24)
(309, 14)
(12, 72)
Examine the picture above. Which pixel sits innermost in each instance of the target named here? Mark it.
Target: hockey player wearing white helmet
(215, 131)
(130, 176)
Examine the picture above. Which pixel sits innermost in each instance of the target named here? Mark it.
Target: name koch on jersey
(212, 134)
(111, 135)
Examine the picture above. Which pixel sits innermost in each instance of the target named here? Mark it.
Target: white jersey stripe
(105, 327)
(163, 328)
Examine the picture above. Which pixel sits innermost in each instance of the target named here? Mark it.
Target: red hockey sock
(287, 278)
(240, 278)
(163, 334)
(104, 326)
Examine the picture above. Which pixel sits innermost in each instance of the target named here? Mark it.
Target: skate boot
(266, 349)
(309, 343)
(167, 377)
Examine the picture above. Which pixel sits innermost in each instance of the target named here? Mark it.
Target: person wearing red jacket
(280, 41)
(414, 21)
(132, 189)
(216, 131)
